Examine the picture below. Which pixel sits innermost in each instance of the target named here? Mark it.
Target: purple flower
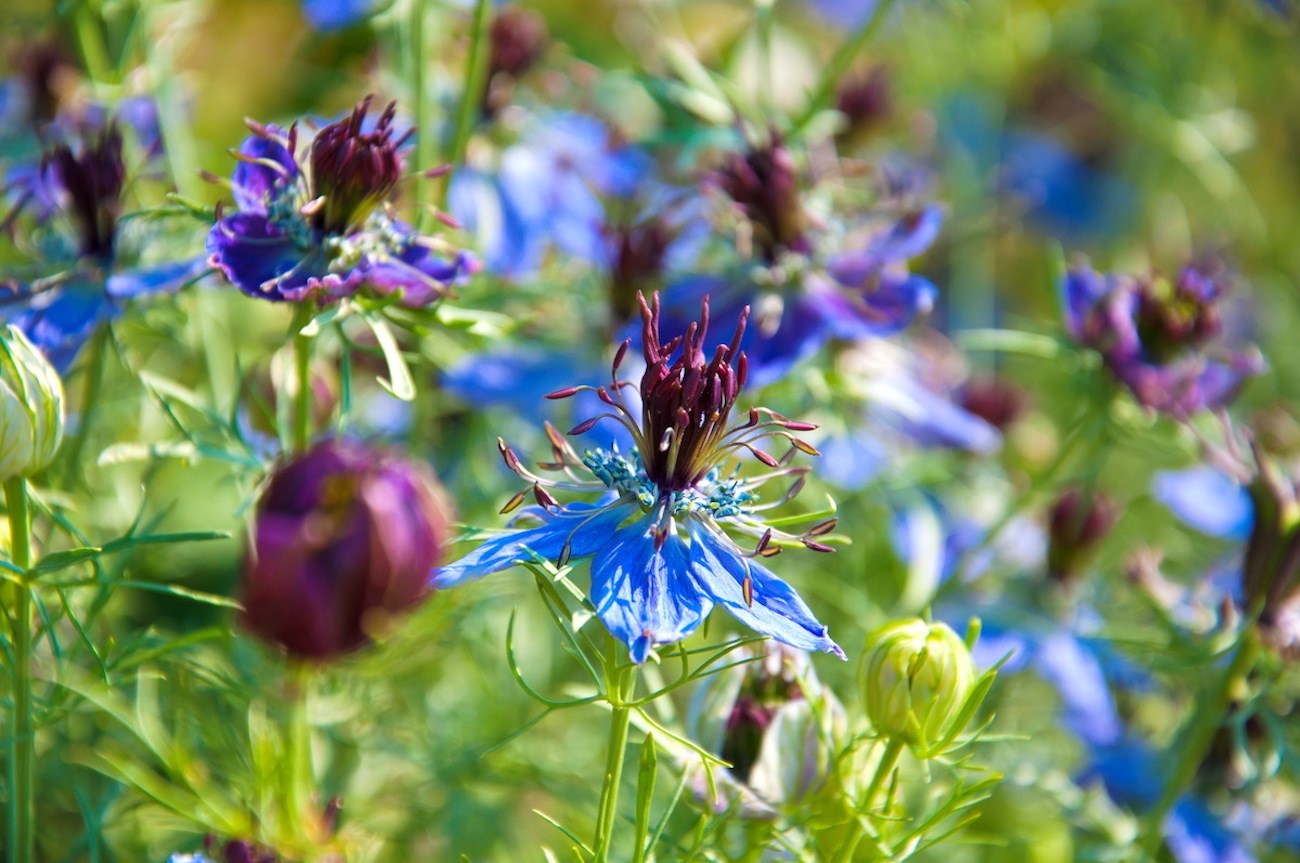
(344, 538)
(1159, 337)
(660, 559)
(314, 225)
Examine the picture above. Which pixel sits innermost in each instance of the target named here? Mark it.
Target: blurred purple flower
(1159, 337)
(344, 537)
(649, 584)
(315, 226)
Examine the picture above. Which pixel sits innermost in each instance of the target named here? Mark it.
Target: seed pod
(916, 680)
(31, 406)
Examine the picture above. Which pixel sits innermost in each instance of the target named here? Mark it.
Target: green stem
(1197, 737)
(475, 81)
(299, 778)
(93, 369)
(838, 65)
(22, 741)
(302, 379)
(620, 684)
(888, 762)
(90, 43)
(424, 138)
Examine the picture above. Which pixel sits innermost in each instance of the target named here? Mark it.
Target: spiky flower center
(353, 168)
(764, 184)
(91, 177)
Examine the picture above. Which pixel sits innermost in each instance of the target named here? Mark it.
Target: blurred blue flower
(650, 583)
(1208, 500)
(1159, 337)
(329, 15)
(315, 226)
(545, 192)
(80, 183)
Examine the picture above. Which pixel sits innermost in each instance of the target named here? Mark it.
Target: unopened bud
(916, 681)
(1078, 523)
(32, 406)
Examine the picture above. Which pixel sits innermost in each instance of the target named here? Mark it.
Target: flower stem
(888, 762)
(93, 382)
(838, 65)
(475, 80)
(620, 684)
(302, 379)
(22, 743)
(299, 779)
(424, 148)
(1197, 737)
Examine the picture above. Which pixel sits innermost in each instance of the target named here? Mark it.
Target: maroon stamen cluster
(352, 169)
(686, 398)
(764, 183)
(92, 177)
(1173, 318)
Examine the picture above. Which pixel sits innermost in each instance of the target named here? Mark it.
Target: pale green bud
(916, 679)
(31, 406)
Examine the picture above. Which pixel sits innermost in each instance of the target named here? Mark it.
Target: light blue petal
(153, 280)
(775, 611)
(1197, 835)
(1208, 500)
(644, 595)
(1077, 675)
(583, 527)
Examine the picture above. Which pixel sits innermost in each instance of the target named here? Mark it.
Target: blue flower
(660, 559)
(79, 187)
(316, 226)
(545, 192)
(329, 15)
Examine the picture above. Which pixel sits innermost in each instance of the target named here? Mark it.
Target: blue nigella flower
(79, 184)
(660, 559)
(1158, 337)
(315, 225)
(326, 15)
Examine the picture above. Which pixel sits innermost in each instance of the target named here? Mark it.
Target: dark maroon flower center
(761, 696)
(91, 176)
(353, 168)
(1174, 318)
(517, 39)
(686, 398)
(764, 183)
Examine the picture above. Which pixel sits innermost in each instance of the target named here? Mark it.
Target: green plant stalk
(22, 742)
(839, 64)
(475, 81)
(888, 761)
(299, 777)
(93, 383)
(1195, 740)
(302, 378)
(619, 685)
(424, 148)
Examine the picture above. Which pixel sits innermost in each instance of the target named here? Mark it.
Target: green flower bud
(31, 406)
(916, 679)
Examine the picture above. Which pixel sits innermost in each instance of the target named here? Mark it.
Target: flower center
(714, 496)
(1174, 318)
(764, 183)
(91, 178)
(353, 168)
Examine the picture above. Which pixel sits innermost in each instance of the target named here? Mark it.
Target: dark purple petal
(259, 258)
(252, 183)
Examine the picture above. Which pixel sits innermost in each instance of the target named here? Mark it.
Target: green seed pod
(916, 679)
(31, 406)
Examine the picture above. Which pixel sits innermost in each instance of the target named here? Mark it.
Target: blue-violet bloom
(315, 225)
(660, 559)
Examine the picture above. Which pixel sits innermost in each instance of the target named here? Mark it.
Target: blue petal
(511, 242)
(1197, 835)
(1077, 675)
(1130, 771)
(65, 320)
(335, 14)
(877, 304)
(153, 280)
(644, 595)
(851, 460)
(775, 611)
(1208, 500)
(579, 525)
(251, 252)
(251, 182)
(903, 403)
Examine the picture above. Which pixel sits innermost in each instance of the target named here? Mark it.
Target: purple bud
(344, 538)
(1078, 522)
(354, 168)
(995, 400)
(517, 40)
(866, 100)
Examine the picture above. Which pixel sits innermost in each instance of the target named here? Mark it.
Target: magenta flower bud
(866, 100)
(1079, 521)
(517, 40)
(354, 166)
(994, 399)
(345, 538)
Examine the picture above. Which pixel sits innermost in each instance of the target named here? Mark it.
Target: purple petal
(251, 252)
(252, 183)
